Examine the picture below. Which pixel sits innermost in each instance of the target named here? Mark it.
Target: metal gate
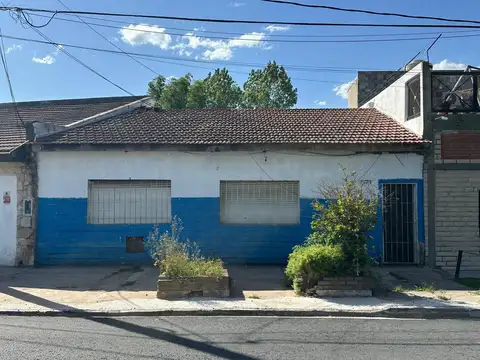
(399, 222)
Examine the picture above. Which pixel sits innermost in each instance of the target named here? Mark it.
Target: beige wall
(456, 218)
(25, 224)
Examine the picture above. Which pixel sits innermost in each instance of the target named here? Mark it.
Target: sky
(320, 71)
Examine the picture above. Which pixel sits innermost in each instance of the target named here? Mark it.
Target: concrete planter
(195, 286)
(342, 286)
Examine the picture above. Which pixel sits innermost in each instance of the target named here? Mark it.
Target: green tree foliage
(221, 91)
(269, 88)
(345, 220)
(197, 98)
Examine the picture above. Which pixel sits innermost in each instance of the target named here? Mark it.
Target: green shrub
(347, 217)
(179, 265)
(308, 264)
(179, 258)
(161, 244)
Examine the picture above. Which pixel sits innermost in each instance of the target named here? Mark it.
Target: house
(241, 180)
(441, 106)
(18, 167)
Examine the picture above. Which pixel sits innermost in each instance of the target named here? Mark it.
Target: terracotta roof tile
(240, 126)
(60, 112)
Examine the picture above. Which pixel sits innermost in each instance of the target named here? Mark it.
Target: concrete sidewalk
(86, 291)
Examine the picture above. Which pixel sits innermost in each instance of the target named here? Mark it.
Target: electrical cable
(236, 21)
(370, 12)
(110, 42)
(253, 37)
(178, 59)
(3, 56)
(239, 34)
(60, 47)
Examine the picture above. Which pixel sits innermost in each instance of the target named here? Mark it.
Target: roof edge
(146, 101)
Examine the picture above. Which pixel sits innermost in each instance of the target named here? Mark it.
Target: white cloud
(237, 4)
(449, 65)
(13, 48)
(320, 102)
(253, 39)
(48, 59)
(143, 34)
(223, 53)
(273, 28)
(219, 49)
(342, 89)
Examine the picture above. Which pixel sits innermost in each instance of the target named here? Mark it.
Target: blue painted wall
(65, 238)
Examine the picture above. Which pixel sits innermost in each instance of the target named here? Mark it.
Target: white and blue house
(241, 180)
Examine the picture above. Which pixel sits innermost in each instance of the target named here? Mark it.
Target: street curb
(404, 313)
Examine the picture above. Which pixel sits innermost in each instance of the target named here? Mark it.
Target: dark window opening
(413, 97)
(135, 244)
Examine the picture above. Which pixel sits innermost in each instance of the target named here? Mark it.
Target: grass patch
(443, 296)
(473, 283)
(179, 265)
(475, 292)
(399, 289)
(426, 287)
(253, 296)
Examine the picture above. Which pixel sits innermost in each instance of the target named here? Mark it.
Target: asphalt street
(237, 338)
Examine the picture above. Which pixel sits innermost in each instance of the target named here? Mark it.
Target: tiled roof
(60, 112)
(240, 126)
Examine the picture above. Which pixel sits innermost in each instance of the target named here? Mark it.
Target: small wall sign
(7, 199)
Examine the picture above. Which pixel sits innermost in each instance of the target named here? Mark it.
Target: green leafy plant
(179, 265)
(179, 258)
(399, 289)
(162, 244)
(345, 219)
(424, 287)
(308, 264)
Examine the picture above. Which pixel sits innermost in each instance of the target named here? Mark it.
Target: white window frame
(259, 202)
(117, 202)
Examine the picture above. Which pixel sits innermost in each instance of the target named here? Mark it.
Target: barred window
(259, 202)
(129, 202)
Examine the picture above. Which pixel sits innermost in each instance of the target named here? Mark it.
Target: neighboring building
(443, 106)
(367, 84)
(18, 177)
(242, 181)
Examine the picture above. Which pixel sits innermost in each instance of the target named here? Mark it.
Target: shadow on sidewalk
(168, 336)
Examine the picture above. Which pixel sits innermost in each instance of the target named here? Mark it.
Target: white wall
(65, 174)
(392, 101)
(8, 220)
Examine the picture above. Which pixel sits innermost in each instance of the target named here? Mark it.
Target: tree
(269, 88)
(171, 95)
(155, 89)
(196, 95)
(221, 91)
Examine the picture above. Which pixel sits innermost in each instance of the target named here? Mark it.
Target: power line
(110, 42)
(235, 21)
(253, 38)
(191, 33)
(370, 12)
(60, 47)
(177, 59)
(3, 56)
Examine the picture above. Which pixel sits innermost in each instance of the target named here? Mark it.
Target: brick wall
(457, 147)
(25, 224)
(457, 218)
